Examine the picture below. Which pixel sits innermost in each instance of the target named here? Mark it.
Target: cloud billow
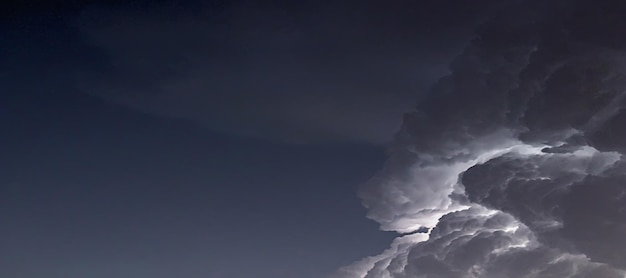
(515, 160)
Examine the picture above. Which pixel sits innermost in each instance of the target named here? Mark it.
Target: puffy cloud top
(514, 161)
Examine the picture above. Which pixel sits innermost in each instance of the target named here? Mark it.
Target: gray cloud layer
(515, 160)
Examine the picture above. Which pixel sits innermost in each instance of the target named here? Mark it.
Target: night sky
(311, 139)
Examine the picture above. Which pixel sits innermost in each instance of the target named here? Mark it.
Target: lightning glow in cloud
(515, 161)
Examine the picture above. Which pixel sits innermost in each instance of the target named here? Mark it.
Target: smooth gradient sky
(222, 139)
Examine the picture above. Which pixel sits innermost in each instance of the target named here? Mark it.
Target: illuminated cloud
(515, 160)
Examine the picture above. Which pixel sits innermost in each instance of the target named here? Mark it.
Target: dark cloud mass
(515, 159)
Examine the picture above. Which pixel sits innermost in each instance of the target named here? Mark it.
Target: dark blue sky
(91, 189)
(100, 178)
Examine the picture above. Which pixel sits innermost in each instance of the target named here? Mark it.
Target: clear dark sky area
(229, 139)
(93, 190)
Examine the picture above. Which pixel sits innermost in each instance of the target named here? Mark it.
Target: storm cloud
(514, 161)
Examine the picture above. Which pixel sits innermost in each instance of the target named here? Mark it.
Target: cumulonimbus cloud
(514, 163)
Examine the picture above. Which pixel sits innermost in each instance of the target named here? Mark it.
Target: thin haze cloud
(326, 72)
